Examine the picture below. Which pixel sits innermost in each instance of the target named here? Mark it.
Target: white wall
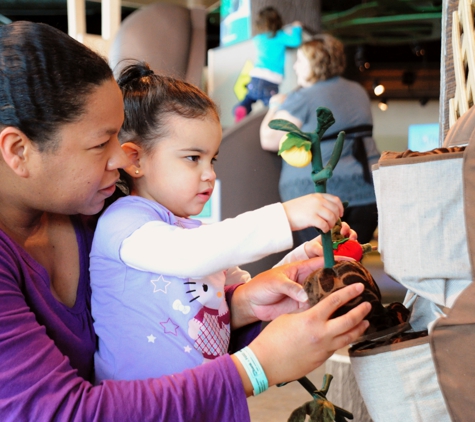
(390, 127)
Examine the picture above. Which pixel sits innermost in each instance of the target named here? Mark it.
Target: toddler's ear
(133, 152)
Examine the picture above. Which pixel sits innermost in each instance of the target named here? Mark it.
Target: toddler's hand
(320, 210)
(314, 248)
(348, 232)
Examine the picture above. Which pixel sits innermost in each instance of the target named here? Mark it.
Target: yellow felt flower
(296, 156)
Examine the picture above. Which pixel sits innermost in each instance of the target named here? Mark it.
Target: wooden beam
(447, 73)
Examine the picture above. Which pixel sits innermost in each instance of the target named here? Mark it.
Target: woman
(319, 66)
(60, 114)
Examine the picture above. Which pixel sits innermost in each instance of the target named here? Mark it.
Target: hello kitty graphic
(210, 327)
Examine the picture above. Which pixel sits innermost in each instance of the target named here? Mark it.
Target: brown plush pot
(324, 281)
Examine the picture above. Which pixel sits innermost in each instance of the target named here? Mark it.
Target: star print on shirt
(187, 349)
(151, 338)
(160, 285)
(169, 327)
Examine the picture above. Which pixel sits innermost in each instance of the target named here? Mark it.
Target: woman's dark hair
(45, 77)
(150, 99)
(269, 20)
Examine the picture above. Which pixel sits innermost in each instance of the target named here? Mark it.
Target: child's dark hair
(149, 100)
(269, 20)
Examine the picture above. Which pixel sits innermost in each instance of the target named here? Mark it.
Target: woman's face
(81, 172)
(302, 69)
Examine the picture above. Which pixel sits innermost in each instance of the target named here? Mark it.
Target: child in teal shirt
(268, 71)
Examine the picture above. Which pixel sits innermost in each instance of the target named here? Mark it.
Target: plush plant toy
(294, 147)
(319, 409)
(299, 149)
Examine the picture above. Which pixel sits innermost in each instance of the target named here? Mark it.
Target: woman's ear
(134, 153)
(15, 148)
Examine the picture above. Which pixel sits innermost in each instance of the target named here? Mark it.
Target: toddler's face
(179, 172)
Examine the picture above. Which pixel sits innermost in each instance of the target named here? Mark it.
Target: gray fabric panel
(453, 337)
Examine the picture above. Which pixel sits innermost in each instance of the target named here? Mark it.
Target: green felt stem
(317, 163)
(321, 187)
(328, 257)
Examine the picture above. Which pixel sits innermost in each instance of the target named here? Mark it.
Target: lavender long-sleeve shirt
(46, 358)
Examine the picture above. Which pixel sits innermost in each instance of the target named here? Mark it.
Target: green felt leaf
(281, 124)
(294, 140)
(299, 414)
(336, 243)
(324, 120)
(336, 151)
(321, 411)
(328, 412)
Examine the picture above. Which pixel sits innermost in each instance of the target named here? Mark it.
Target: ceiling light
(378, 88)
(418, 50)
(383, 105)
(360, 59)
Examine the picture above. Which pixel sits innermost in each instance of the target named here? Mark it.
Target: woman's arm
(37, 382)
(270, 138)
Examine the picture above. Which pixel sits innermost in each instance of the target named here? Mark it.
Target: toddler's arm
(164, 249)
(313, 248)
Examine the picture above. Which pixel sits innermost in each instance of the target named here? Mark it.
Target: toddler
(268, 71)
(159, 278)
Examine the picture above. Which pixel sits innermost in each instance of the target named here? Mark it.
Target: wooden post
(111, 18)
(447, 74)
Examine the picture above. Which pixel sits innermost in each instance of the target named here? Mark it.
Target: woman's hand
(272, 293)
(314, 247)
(295, 344)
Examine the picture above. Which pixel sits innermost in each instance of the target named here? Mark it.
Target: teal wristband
(254, 370)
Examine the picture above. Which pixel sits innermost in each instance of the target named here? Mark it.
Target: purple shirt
(46, 357)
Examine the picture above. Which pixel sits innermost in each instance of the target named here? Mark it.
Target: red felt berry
(350, 248)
